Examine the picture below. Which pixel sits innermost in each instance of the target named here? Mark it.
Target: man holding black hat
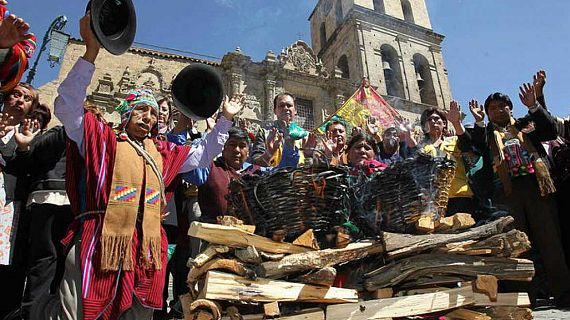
(118, 183)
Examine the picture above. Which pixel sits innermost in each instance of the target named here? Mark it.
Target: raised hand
(310, 143)
(6, 125)
(28, 131)
(3, 2)
(273, 141)
(477, 110)
(329, 145)
(538, 82)
(231, 107)
(406, 133)
(454, 113)
(91, 43)
(12, 31)
(527, 95)
(356, 130)
(211, 122)
(372, 125)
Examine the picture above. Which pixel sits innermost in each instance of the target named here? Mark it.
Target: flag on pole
(364, 103)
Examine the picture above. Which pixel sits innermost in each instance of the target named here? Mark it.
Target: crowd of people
(103, 210)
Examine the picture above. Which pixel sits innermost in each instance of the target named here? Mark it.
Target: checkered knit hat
(140, 96)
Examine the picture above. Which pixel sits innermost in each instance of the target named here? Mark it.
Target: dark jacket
(44, 162)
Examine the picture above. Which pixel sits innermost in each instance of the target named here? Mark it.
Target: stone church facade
(388, 41)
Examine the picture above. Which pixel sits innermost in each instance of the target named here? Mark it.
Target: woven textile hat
(141, 96)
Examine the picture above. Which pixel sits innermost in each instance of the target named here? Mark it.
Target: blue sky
(490, 45)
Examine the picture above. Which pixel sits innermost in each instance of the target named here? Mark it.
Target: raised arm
(68, 105)
(202, 154)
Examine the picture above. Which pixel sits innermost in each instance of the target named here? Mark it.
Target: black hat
(114, 23)
(197, 91)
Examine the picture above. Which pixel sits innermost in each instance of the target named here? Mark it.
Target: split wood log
(307, 239)
(466, 314)
(224, 286)
(383, 293)
(322, 277)
(411, 292)
(467, 267)
(511, 244)
(232, 221)
(403, 306)
(318, 259)
(431, 280)
(520, 299)
(425, 224)
(271, 256)
(217, 264)
(271, 309)
(462, 221)
(209, 307)
(445, 223)
(248, 255)
(211, 251)
(400, 245)
(237, 238)
(507, 313)
(308, 314)
(487, 285)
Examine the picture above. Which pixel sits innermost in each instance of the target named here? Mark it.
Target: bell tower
(389, 41)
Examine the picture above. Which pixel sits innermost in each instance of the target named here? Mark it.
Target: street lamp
(59, 42)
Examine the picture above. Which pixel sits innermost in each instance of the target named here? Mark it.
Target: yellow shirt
(460, 184)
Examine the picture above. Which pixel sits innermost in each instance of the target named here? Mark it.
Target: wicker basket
(394, 199)
(292, 200)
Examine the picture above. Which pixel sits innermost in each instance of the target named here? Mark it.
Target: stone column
(269, 89)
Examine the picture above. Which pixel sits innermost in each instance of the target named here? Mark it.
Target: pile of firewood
(451, 273)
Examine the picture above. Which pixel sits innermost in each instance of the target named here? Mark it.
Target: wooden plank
(520, 299)
(309, 314)
(318, 259)
(237, 238)
(511, 244)
(401, 245)
(232, 221)
(224, 286)
(231, 265)
(403, 306)
(211, 251)
(468, 267)
(322, 277)
(466, 314)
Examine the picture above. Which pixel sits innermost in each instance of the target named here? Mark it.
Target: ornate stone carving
(105, 85)
(149, 80)
(126, 80)
(299, 57)
(235, 83)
